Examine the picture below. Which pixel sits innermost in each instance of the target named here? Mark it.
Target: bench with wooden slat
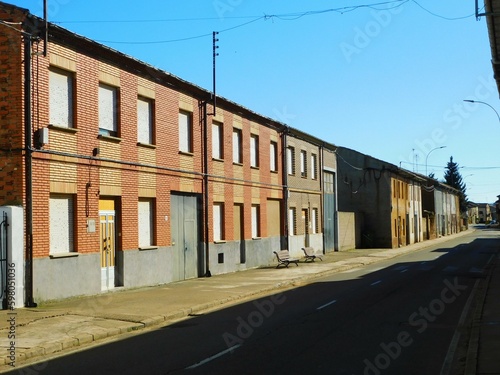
(311, 255)
(284, 258)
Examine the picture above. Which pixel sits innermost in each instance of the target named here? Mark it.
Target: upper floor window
(217, 137)
(145, 120)
(290, 160)
(254, 150)
(303, 163)
(237, 154)
(108, 110)
(60, 98)
(314, 166)
(185, 132)
(273, 153)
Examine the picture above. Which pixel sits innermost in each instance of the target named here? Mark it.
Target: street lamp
(437, 148)
(477, 101)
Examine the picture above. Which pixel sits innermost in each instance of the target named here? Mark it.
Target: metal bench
(311, 255)
(285, 259)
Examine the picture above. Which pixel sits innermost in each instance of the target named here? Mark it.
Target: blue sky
(387, 80)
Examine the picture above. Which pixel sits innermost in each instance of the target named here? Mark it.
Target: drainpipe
(285, 244)
(205, 188)
(322, 195)
(28, 171)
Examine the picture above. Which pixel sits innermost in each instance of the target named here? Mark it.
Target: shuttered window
(144, 121)
(145, 222)
(217, 140)
(290, 160)
(61, 213)
(314, 167)
(254, 151)
(61, 98)
(314, 221)
(237, 157)
(303, 163)
(273, 151)
(185, 132)
(291, 221)
(218, 215)
(255, 221)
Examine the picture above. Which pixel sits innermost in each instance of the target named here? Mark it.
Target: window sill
(236, 163)
(146, 248)
(220, 241)
(255, 168)
(217, 159)
(187, 153)
(146, 145)
(275, 172)
(63, 129)
(256, 238)
(109, 138)
(63, 255)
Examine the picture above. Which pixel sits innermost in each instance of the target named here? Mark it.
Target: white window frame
(145, 222)
(218, 221)
(60, 98)
(217, 149)
(108, 110)
(254, 150)
(145, 120)
(237, 152)
(255, 215)
(61, 219)
(185, 132)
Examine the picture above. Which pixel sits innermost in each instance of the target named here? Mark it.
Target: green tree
(453, 178)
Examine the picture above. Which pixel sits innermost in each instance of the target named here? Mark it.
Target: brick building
(311, 205)
(127, 174)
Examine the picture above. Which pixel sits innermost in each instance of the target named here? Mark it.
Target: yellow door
(107, 247)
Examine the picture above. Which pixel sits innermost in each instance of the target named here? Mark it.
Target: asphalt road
(403, 316)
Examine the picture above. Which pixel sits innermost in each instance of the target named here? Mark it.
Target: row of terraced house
(114, 173)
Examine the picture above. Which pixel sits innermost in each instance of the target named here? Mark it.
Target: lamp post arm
(477, 101)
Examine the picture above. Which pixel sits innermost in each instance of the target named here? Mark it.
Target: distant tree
(453, 178)
(432, 175)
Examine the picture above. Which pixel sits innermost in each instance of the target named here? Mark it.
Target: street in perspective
(409, 314)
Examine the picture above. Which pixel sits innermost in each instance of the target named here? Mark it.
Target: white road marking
(376, 282)
(476, 270)
(215, 356)
(327, 304)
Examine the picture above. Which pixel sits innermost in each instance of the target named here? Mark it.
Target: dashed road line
(326, 304)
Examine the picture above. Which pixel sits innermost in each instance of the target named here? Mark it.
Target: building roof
(492, 13)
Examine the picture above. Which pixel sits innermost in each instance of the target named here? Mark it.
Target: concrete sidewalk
(68, 324)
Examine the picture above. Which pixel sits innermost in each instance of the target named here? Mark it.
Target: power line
(385, 5)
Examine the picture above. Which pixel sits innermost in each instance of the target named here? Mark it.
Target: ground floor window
(61, 212)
